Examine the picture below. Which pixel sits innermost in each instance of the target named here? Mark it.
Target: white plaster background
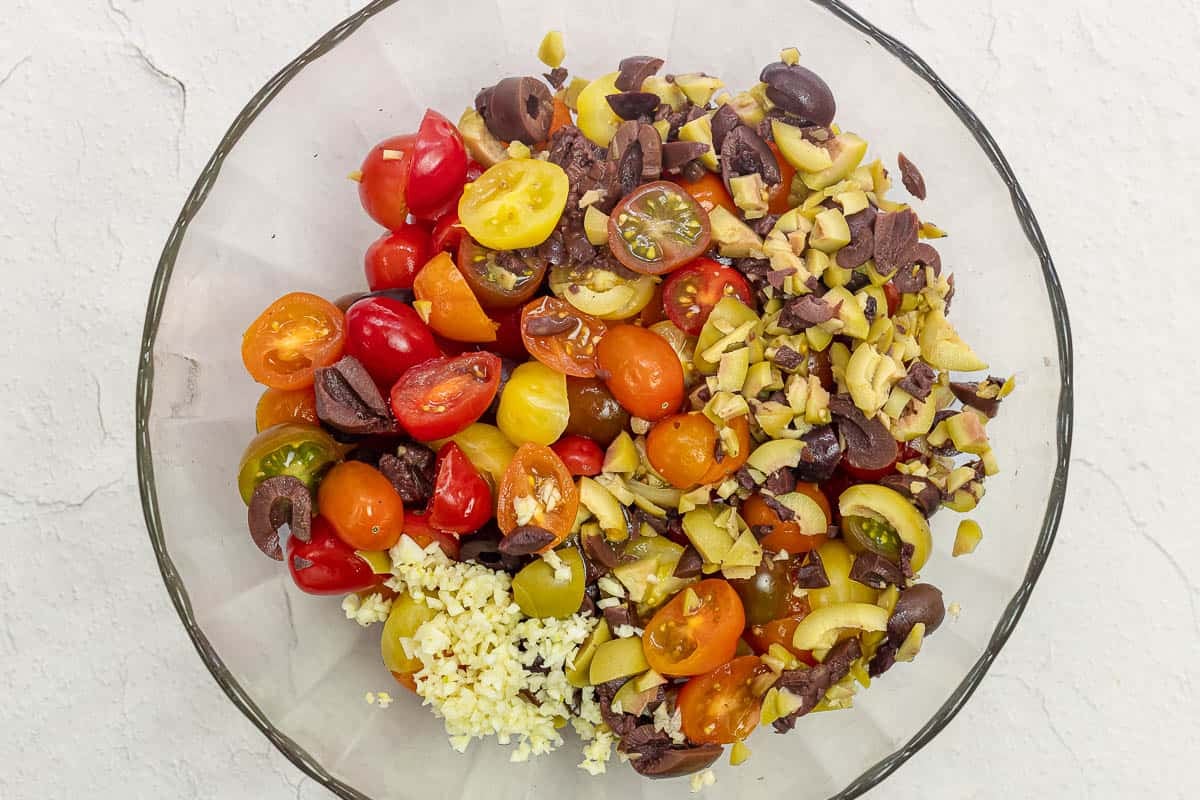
(108, 109)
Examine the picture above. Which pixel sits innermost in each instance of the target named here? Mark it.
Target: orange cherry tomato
(362, 506)
(285, 405)
(777, 200)
(406, 680)
(561, 336)
(709, 192)
(642, 371)
(730, 464)
(780, 632)
(679, 643)
(536, 473)
(785, 534)
(454, 312)
(725, 705)
(681, 448)
(297, 334)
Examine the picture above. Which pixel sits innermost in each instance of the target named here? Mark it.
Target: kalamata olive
(744, 152)
(633, 105)
(968, 395)
(675, 155)
(637, 149)
(765, 595)
(676, 762)
(870, 447)
(595, 413)
(634, 70)
(278, 501)
(348, 400)
(872, 569)
(799, 91)
(922, 602)
(519, 109)
(927, 498)
(724, 120)
(820, 456)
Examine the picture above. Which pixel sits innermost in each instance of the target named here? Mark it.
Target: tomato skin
(462, 500)
(863, 474)
(680, 448)
(785, 535)
(642, 371)
(392, 260)
(327, 565)
(580, 454)
(303, 452)
(730, 463)
(683, 645)
(723, 706)
(781, 632)
(893, 298)
(572, 351)
(595, 413)
(384, 182)
(447, 233)
(439, 165)
(444, 395)
(362, 506)
(538, 465)
(639, 239)
(454, 311)
(709, 192)
(291, 339)
(417, 528)
(690, 293)
(388, 337)
(277, 406)
(509, 341)
(777, 199)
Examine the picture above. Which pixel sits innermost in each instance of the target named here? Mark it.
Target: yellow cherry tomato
(514, 204)
(597, 120)
(533, 405)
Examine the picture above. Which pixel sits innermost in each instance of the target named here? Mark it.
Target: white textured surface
(108, 109)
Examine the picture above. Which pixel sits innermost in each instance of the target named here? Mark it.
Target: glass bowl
(273, 212)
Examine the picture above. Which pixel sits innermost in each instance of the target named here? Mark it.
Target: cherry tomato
(682, 644)
(296, 335)
(454, 312)
(417, 528)
(561, 119)
(499, 278)
(657, 227)
(388, 337)
(784, 535)
(533, 405)
(725, 705)
(595, 413)
(392, 260)
(642, 371)
(362, 506)
(690, 293)
(509, 341)
(439, 165)
(462, 499)
(777, 199)
(781, 632)
(538, 478)
(561, 336)
(680, 448)
(654, 311)
(443, 396)
(729, 462)
(710, 192)
(327, 565)
(767, 594)
(581, 455)
(516, 203)
(299, 451)
(384, 181)
(285, 405)
(447, 233)
(603, 289)
(893, 298)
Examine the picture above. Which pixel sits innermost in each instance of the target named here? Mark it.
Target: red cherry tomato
(327, 565)
(393, 260)
(388, 337)
(509, 340)
(690, 293)
(439, 164)
(462, 499)
(725, 705)
(443, 396)
(893, 298)
(866, 474)
(384, 181)
(447, 233)
(777, 201)
(581, 455)
(417, 528)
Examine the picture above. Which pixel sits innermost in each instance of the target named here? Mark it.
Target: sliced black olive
(517, 109)
(282, 500)
(724, 120)
(634, 70)
(633, 105)
(869, 445)
(743, 153)
(676, 155)
(675, 762)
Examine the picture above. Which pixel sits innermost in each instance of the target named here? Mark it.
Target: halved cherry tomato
(393, 260)
(447, 233)
(509, 341)
(454, 312)
(499, 278)
(296, 335)
(580, 454)
(285, 405)
(690, 293)
(657, 227)
(731, 462)
(299, 451)
(439, 164)
(537, 476)
(444, 395)
(785, 534)
(893, 298)
(384, 181)
(681, 448)
(680, 643)
(388, 337)
(781, 632)
(516, 203)
(777, 200)
(767, 594)
(604, 290)
(709, 192)
(417, 528)
(642, 371)
(362, 506)
(561, 336)
(725, 705)
(325, 564)
(462, 500)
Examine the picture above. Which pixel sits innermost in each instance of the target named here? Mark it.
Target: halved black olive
(278, 501)
(799, 91)
(633, 105)
(743, 153)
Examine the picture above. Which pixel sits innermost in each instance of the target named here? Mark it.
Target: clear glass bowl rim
(145, 386)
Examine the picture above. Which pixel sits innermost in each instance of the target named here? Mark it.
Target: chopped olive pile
(641, 420)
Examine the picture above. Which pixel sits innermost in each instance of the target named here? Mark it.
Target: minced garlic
(366, 612)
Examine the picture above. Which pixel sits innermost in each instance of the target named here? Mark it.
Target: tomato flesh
(388, 337)
(682, 644)
(657, 227)
(516, 203)
(291, 339)
(642, 371)
(725, 705)
(277, 406)
(537, 474)
(690, 293)
(561, 336)
(417, 528)
(499, 279)
(443, 396)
